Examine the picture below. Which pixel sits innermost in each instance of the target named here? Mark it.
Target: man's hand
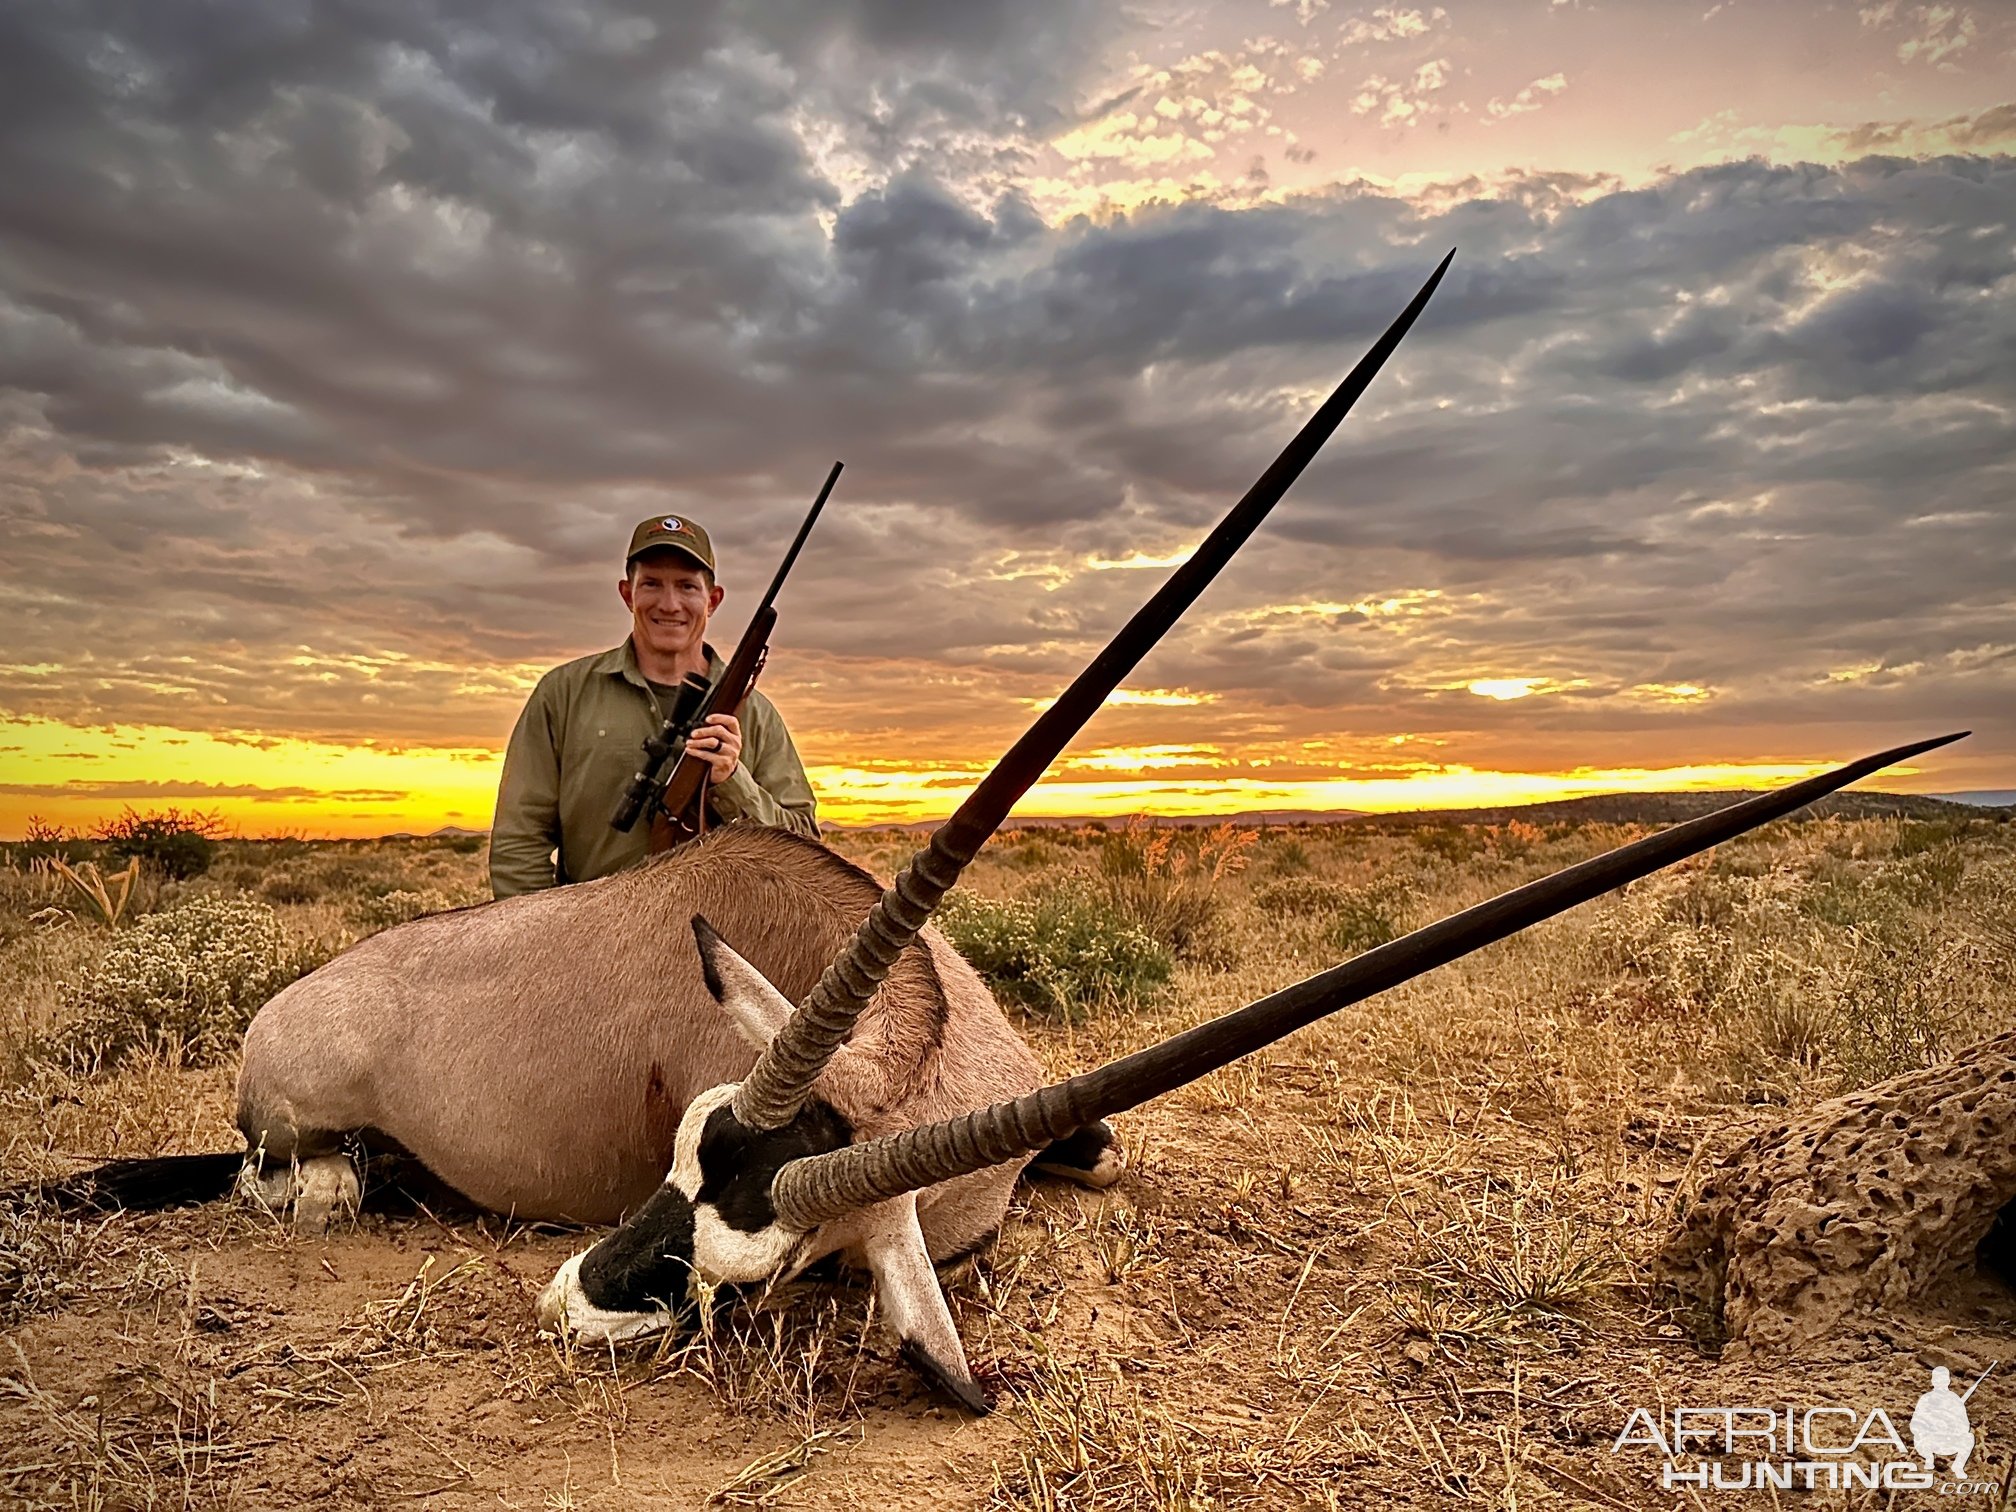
(718, 743)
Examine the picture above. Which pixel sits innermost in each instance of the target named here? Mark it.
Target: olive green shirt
(573, 753)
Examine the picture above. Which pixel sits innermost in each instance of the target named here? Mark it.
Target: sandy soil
(1191, 1339)
(1403, 1259)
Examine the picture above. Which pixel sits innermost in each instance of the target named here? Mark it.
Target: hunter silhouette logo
(1939, 1426)
(1831, 1447)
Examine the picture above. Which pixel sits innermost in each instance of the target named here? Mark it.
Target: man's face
(669, 599)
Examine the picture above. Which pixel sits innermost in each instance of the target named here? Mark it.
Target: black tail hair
(164, 1181)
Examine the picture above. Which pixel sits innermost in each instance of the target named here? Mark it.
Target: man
(581, 737)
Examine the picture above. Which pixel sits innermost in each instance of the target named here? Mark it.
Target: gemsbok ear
(758, 1009)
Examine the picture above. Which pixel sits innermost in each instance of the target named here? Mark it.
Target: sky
(342, 344)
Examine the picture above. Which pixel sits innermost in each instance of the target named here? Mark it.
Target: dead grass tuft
(1090, 1444)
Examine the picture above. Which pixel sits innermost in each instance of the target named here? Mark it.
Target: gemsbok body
(536, 1054)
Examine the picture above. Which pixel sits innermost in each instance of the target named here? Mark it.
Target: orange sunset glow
(326, 408)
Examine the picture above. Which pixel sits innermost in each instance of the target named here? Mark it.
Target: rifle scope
(686, 705)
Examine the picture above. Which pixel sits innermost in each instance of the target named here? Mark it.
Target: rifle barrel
(804, 530)
(1977, 1384)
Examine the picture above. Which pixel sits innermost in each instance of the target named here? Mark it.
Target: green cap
(673, 531)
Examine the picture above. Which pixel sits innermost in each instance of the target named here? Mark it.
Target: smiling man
(582, 734)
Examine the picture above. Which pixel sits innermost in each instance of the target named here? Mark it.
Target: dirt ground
(1404, 1259)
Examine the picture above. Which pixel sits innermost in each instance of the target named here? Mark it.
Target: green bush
(1354, 919)
(173, 843)
(1363, 920)
(1032, 852)
(1062, 954)
(1918, 835)
(1892, 1006)
(187, 980)
(1833, 896)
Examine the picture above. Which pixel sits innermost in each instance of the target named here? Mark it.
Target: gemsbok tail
(164, 1181)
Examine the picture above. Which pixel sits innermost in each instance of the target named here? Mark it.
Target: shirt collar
(622, 662)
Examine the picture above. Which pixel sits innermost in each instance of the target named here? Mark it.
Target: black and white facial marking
(638, 1281)
(713, 1218)
(728, 1169)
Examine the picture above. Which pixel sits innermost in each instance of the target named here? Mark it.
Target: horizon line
(1953, 797)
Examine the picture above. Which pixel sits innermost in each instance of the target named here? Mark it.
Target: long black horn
(819, 1188)
(782, 1079)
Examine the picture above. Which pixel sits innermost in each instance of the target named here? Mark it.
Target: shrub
(174, 843)
(1060, 954)
(1515, 839)
(1355, 919)
(1168, 885)
(290, 883)
(1032, 853)
(402, 904)
(1925, 876)
(187, 980)
(43, 841)
(1365, 919)
(1833, 896)
(1288, 857)
(1300, 897)
(1892, 1006)
(1918, 835)
(1450, 842)
(355, 876)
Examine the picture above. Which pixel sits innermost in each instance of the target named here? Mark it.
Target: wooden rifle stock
(681, 811)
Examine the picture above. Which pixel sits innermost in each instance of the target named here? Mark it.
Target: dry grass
(1402, 1258)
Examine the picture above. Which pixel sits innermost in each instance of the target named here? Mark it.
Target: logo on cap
(672, 524)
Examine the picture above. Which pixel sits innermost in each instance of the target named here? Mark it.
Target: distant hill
(1247, 818)
(1601, 808)
(1672, 808)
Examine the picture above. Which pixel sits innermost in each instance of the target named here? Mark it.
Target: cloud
(1991, 131)
(1305, 10)
(1531, 98)
(336, 364)
(160, 792)
(1390, 23)
(1179, 118)
(1935, 34)
(1401, 102)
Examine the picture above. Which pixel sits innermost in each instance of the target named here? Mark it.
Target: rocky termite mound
(1862, 1203)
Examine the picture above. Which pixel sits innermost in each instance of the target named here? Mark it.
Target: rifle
(676, 802)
